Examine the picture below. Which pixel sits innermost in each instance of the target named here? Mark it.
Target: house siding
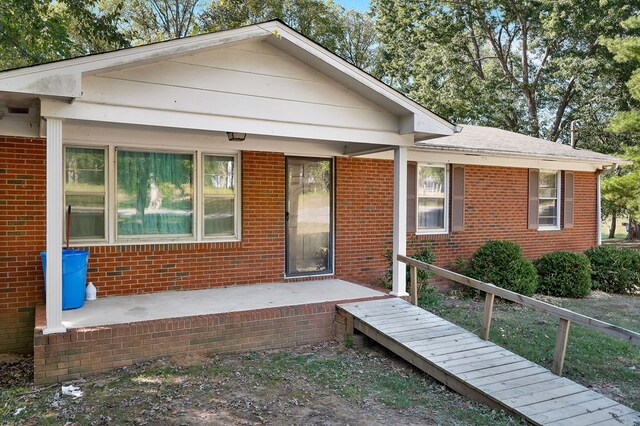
(495, 208)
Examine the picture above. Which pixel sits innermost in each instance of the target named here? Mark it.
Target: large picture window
(124, 195)
(432, 191)
(155, 194)
(219, 192)
(84, 192)
(549, 196)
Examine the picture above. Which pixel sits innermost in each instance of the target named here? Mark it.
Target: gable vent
(18, 110)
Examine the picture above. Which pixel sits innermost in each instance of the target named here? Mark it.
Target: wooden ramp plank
(480, 369)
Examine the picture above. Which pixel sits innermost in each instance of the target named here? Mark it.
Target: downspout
(599, 207)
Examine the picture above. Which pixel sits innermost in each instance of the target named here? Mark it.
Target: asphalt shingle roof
(493, 141)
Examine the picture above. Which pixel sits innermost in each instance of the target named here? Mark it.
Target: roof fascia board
(509, 160)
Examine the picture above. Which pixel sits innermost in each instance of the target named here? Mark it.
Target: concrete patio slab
(174, 304)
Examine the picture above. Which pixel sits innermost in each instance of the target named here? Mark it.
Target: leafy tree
(148, 21)
(530, 67)
(627, 50)
(349, 34)
(621, 192)
(37, 31)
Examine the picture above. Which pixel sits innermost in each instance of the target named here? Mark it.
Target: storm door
(309, 216)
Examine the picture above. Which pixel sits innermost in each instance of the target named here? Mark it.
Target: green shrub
(425, 293)
(502, 263)
(614, 269)
(564, 274)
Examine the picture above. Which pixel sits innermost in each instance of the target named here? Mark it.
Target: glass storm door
(309, 216)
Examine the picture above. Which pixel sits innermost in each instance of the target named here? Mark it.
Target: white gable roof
(64, 79)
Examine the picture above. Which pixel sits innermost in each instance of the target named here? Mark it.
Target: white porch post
(54, 226)
(399, 221)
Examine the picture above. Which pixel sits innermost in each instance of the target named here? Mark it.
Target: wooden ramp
(480, 369)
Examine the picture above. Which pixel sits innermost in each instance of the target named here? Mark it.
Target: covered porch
(117, 331)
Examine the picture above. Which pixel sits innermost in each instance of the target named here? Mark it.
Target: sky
(359, 5)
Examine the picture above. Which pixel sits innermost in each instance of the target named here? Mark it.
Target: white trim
(599, 208)
(55, 217)
(399, 287)
(445, 229)
(523, 162)
(558, 198)
(237, 194)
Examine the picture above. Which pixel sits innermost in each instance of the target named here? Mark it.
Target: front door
(309, 216)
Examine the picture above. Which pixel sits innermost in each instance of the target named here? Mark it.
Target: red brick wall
(81, 351)
(22, 238)
(495, 208)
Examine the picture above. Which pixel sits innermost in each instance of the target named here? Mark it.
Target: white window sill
(549, 228)
(435, 232)
(149, 242)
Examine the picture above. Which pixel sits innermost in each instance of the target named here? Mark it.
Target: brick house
(247, 156)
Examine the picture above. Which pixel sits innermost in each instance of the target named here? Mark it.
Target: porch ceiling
(174, 304)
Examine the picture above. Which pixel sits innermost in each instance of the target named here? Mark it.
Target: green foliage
(426, 294)
(621, 190)
(614, 269)
(37, 31)
(530, 67)
(349, 34)
(501, 263)
(564, 274)
(627, 50)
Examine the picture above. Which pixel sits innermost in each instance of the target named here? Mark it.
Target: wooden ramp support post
(561, 346)
(414, 285)
(488, 313)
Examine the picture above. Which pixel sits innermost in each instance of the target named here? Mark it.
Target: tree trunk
(634, 230)
(612, 229)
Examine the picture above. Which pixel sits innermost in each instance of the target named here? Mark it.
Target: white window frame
(107, 199)
(111, 189)
(558, 197)
(237, 191)
(445, 228)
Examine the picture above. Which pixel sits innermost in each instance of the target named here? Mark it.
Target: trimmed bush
(502, 263)
(614, 269)
(564, 274)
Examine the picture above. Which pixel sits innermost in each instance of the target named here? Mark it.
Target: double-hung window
(432, 189)
(549, 200)
(85, 192)
(143, 195)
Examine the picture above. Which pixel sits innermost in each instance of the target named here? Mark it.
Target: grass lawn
(604, 363)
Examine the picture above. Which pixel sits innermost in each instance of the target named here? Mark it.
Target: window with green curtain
(155, 194)
(84, 185)
(219, 195)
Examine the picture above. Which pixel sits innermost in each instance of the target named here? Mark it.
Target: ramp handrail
(566, 316)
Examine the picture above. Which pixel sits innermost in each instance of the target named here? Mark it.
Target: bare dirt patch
(325, 384)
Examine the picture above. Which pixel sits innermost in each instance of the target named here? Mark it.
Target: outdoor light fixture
(236, 137)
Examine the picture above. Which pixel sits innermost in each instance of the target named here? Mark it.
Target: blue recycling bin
(74, 277)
